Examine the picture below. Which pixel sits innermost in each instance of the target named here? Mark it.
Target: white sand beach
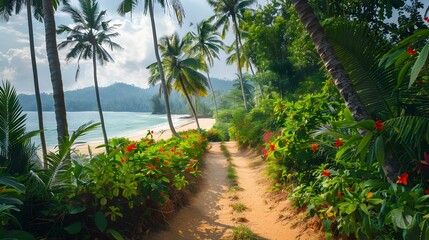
(162, 133)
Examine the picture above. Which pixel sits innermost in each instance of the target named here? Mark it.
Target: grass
(243, 233)
(235, 188)
(232, 174)
(239, 207)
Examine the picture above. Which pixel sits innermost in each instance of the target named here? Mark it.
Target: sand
(210, 214)
(163, 133)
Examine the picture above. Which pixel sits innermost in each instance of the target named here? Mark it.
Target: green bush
(215, 135)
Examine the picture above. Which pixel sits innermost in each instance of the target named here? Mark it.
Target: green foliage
(214, 135)
(243, 233)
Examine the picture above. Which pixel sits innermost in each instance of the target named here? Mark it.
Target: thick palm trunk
(36, 83)
(161, 71)
(214, 97)
(190, 104)
(55, 70)
(97, 95)
(237, 51)
(338, 73)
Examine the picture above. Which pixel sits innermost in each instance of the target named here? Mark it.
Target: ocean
(118, 124)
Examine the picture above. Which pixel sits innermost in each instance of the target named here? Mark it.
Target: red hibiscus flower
(338, 143)
(326, 173)
(411, 51)
(379, 125)
(272, 147)
(314, 146)
(131, 147)
(403, 179)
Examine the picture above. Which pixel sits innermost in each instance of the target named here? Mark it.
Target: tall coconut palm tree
(207, 43)
(341, 79)
(55, 70)
(225, 9)
(127, 6)
(86, 39)
(182, 70)
(6, 9)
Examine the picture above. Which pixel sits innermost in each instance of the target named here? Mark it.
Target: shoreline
(161, 132)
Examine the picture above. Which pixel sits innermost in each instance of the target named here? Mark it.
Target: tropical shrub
(214, 135)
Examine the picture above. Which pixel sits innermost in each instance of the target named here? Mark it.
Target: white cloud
(7, 74)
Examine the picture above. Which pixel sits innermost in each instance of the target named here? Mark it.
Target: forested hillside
(119, 97)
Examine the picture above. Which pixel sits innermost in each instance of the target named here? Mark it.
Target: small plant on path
(239, 207)
(243, 233)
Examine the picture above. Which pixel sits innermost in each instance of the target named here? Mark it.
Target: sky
(130, 63)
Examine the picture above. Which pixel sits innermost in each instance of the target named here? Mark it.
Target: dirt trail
(210, 214)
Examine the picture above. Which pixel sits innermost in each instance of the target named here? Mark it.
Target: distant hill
(119, 97)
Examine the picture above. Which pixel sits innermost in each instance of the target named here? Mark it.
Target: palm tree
(207, 44)
(182, 70)
(127, 6)
(6, 8)
(224, 9)
(55, 69)
(86, 39)
(341, 79)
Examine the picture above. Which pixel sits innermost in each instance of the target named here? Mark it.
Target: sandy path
(210, 214)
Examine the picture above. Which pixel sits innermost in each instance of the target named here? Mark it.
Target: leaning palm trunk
(161, 71)
(338, 73)
(214, 96)
(36, 84)
(190, 104)
(97, 95)
(55, 70)
(237, 50)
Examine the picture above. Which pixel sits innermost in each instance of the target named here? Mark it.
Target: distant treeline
(119, 97)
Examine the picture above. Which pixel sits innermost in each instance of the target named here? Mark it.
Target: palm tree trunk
(36, 84)
(333, 65)
(237, 51)
(214, 97)
(338, 74)
(190, 103)
(97, 95)
(161, 71)
(55, 70)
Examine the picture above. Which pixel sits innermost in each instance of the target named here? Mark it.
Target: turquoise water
(118, 124)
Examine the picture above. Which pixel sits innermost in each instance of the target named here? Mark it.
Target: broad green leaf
(115, 234)
(364, 208)
(402, 73)
(379, 149)
(420, 62)
(375, 201)
(76, 209)
(364, 142)
(74, 228)
(351, 208)
(11, 182)
(100, 221)
(398, 219)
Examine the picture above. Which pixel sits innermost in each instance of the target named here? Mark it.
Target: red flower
(350, 189)
(326, 173)
(331, 82)
(265, 152)
(151, 131)
(338, 143)
(189, 169)
(411, 51)
(166, 163)
(426, 192)
(122, 160)
(272, 147)
(426, 19)
(403, 179)
(314, 146)
(131, 147)
(379, 125)
(339, 194)
(156, 159)
(149, 166)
